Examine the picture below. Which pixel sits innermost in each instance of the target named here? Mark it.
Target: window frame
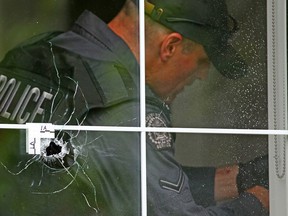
(277, 104)
(277, 110)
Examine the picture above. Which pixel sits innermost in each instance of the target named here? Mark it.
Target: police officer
(89, 75)
(183, 38)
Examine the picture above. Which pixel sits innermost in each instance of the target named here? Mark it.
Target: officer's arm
(225, 183)
(209, 184)
(226, 186)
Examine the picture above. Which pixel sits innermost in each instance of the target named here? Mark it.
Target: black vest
(40, 82)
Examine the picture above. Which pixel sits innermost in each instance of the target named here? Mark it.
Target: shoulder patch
(159, 140)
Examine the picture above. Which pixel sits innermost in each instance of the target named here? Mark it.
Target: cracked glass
(57, 73)
(48, 75)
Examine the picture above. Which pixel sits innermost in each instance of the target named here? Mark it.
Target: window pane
(220, 102)
(206, 175)
(217, 102)
(76, 74)
(60, 76)
(78, 173)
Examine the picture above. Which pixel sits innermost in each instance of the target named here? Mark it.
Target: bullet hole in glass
(53, 149)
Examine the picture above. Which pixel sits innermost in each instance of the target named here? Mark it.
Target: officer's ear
(169, 45)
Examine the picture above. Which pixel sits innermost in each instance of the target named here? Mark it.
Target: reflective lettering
(20, 102)
(21, 120)
(38, 109)
(4, 112)
(29, 101)
(8, 88)
(3, 80)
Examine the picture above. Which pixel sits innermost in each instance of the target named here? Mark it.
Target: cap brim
(208, 29)
(227, 61)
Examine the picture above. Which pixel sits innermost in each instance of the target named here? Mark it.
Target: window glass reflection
(224, 103)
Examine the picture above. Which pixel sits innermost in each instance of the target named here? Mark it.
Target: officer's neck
(125, 25)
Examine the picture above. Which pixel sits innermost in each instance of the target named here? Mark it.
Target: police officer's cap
(206, 22)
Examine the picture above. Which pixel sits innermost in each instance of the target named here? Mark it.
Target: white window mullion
(142, 109)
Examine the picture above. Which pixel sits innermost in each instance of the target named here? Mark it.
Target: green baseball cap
(206, 22)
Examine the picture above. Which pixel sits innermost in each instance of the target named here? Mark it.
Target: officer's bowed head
(206, 22)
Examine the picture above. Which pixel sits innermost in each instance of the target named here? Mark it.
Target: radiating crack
(59, 154)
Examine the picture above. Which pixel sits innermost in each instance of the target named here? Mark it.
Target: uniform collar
(94, 29)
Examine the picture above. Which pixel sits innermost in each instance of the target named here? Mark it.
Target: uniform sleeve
(114, 160)
(174, 190)
(201, 183)
(169, 192)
